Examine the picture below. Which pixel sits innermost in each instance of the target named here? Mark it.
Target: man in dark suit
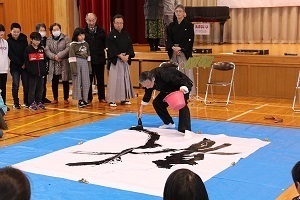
(167, 79)
(95, 36)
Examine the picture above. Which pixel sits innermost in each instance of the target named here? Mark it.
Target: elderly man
(95, 36)
(167, 79)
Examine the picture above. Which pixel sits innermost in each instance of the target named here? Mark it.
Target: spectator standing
(41, 28)
(180, 41)
(154, 27)
(3, 62)
(34, 57)
(169, 10)
(80, 63)
(119, 53)
(95, 36)
(17, 42)
(57, 50)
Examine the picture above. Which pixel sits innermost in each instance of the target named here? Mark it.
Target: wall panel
(30, 12)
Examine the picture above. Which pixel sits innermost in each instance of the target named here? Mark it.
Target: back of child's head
(15, 25)
(77, 32)
(14, 184)
(296, 173)
(35, 36)
(2, 28)
(183, 184)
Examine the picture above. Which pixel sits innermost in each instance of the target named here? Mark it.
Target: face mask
(56, 33)
(43, 33)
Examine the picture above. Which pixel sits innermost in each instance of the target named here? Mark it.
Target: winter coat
(16, 50)
(62, 51)
(96, 42)
(35, 61)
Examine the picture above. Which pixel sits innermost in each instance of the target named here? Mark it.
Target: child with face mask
(57, 50)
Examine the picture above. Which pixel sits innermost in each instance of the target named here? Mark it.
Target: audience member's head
(15, 30)
(78, 32)
(41, 28)
(296, 175)
(183, 184)
(14, 184)
(2, 31)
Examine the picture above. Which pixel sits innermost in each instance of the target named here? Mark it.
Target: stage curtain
(100, 8)
(134, 22)
(254, 25)
(263, 25)
(198, 2)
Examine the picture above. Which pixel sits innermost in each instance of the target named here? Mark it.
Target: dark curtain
(100, 8)
(134, 22)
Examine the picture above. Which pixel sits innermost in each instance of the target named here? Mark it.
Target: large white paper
(134, 167)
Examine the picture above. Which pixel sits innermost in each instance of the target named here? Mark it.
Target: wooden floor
(25, 124)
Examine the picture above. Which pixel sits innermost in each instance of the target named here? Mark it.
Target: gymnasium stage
(273, 75)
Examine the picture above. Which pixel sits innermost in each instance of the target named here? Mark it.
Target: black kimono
(119, 86)
(167, 80)
(119, 42)
(181, 34)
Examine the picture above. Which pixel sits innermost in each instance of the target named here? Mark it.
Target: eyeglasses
(179, 11)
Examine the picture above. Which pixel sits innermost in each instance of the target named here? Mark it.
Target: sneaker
(33, 106)
(17, 106)
(125, 103)
(166, 126)
(81, 104)
(41, 106)
(112, 104)
(25, 105)
(86, 103)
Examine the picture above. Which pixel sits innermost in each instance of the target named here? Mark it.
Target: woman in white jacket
(3, 62)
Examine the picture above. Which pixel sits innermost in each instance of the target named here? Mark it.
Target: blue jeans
(16, 75)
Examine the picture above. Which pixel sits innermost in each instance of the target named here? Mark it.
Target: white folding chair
(221, 75)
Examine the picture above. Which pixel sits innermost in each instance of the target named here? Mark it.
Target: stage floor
(274, 49)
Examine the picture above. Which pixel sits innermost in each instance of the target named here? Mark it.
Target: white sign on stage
(142, 161)
(202, 28)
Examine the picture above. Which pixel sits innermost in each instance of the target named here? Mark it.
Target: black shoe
(86, 103)
(45, 100)
(8, 109)
(81, 104)
(26, 105)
